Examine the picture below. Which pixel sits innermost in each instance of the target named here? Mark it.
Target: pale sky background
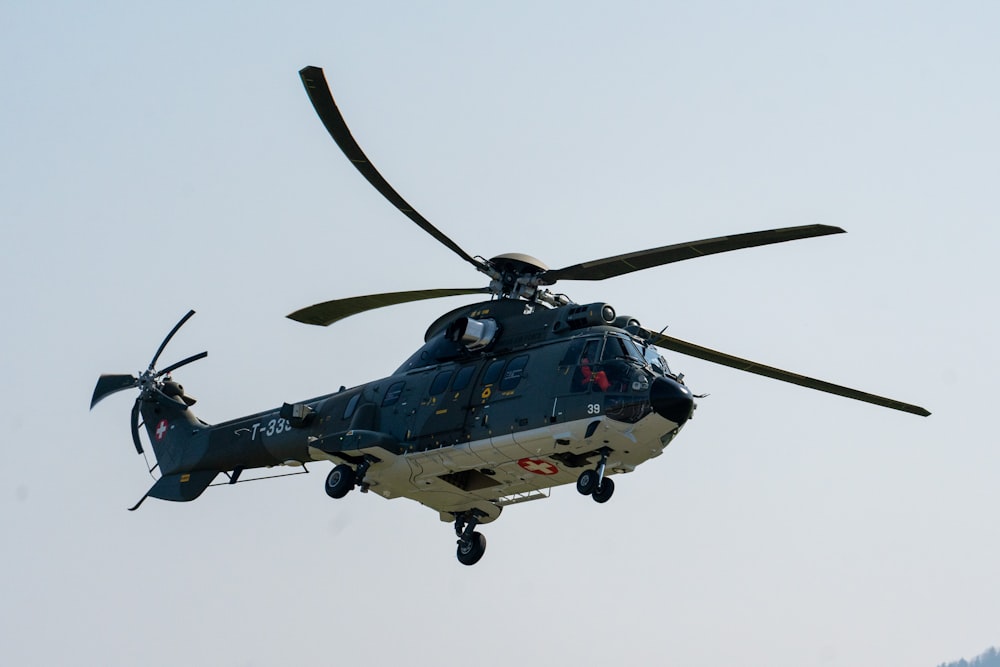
(153, 161)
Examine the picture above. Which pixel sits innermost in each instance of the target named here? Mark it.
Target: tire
(586, 483)
(340, 481)
(606, 490)
(470, 552)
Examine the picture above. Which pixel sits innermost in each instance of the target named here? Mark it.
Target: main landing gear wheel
(471, 544)
(604, 491)
(472, 549)
(340, 481)
(587, 482)
(594, 483)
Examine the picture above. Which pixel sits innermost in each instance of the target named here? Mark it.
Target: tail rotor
(150, 382)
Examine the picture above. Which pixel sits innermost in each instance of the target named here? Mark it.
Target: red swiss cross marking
(538, 466)
(161, 429)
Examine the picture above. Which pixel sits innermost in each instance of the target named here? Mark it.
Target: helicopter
(508, 397)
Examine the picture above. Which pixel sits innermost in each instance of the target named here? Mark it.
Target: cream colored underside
(417, 475)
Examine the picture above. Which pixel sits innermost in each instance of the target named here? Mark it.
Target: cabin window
(493, 371)
(351, 406)
(515, 371)
(393, 393)
(440, 382)
(462, 378)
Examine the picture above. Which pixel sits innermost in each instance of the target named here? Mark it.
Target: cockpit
(620, 368)
(626, 348)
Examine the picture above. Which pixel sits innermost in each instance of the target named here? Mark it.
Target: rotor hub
(515, 274)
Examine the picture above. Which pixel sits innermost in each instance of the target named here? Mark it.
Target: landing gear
(587, 482)
(603, 492)
(343, 478)
(593, 482)
(471, 544)
(340, 481)
(470, 551)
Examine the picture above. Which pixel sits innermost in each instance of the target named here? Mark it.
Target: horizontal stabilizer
(182, 487)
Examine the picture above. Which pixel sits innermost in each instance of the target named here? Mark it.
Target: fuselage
(499, 405)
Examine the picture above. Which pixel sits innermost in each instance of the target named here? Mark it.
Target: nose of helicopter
(671, 400)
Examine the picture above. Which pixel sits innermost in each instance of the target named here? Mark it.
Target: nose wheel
(593, 483)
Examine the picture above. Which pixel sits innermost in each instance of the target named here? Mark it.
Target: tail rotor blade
(182, 362)
(135, 425)
(152, 364)
(109, 384)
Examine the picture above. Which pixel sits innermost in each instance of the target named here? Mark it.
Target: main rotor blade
(322, 100)
(326, 313)
(692, 350)
(170, 335)
(609, 267)
(109, 384)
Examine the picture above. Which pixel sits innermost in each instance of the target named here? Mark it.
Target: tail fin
(172, 429)
(179, 440)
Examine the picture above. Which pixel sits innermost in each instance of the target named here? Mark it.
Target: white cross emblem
(161, 429)
(538, 466)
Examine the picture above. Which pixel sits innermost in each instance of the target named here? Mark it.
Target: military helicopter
(508, 397)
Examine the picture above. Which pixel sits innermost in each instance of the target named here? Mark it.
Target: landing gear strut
(593, 482)
(471, 544)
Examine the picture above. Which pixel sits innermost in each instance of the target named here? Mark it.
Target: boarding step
(516, 498)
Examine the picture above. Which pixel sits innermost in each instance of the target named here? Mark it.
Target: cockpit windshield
(633, 350)
(656, 361)
(622, 348)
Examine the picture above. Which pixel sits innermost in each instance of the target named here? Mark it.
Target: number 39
(594, 409)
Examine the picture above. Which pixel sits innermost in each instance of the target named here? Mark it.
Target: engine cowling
(473, 334)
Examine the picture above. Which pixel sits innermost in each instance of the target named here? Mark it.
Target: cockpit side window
(588, 371)
(614, 348)
(590, 352)
(573, 353)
